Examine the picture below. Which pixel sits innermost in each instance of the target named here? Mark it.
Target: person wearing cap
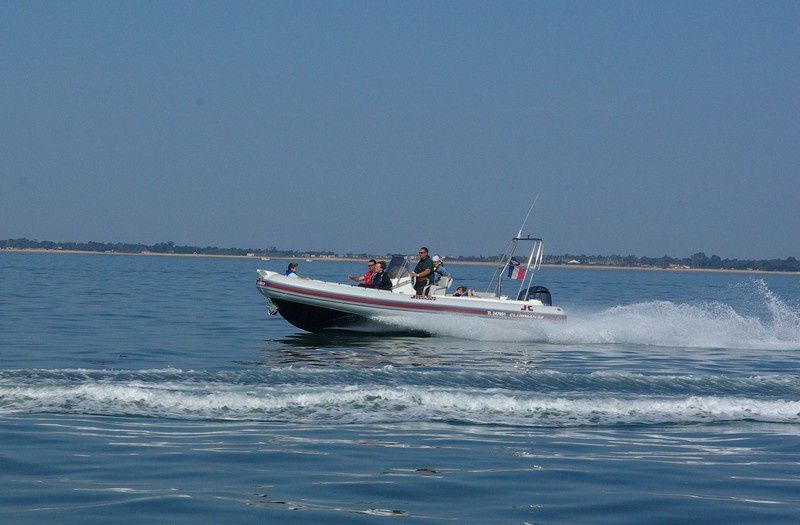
(438, 269)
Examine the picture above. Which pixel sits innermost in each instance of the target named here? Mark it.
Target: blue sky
(644, 127)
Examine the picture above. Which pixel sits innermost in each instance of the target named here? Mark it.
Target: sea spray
(653, 323)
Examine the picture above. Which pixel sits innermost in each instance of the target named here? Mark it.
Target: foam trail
(376, 404)
(653, 323)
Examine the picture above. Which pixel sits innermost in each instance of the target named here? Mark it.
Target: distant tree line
(697, 261)
(161, 247)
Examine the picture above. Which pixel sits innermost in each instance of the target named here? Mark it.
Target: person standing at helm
(422, 272)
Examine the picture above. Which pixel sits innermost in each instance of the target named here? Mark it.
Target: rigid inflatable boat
(315, 305)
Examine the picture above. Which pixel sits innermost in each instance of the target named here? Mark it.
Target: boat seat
(441, 287)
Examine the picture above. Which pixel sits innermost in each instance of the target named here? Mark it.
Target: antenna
(528, 215)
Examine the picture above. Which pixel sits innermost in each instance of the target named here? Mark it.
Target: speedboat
(315, 305)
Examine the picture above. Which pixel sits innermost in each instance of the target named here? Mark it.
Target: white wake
(656, 323)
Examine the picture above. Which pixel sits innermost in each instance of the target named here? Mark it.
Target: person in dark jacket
(380, 279)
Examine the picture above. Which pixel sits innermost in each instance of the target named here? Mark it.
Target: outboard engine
(539, 293)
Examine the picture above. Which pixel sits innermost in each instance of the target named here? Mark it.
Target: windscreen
(398, 267)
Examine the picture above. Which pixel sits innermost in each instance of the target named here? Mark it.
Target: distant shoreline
(360, 259)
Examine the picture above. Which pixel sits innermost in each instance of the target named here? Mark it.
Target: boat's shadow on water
(326, 349)
(414, 349)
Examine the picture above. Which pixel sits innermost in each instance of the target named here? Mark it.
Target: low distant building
(573, 261)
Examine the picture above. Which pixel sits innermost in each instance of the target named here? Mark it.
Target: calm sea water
(151, 389)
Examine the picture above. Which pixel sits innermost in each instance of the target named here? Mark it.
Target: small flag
(515, 270)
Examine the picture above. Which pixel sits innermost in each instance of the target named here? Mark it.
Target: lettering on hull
(514, 315)
(418, 303)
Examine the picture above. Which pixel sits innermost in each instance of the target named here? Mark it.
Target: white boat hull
(319, 305)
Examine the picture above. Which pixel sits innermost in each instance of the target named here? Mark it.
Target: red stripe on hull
(422, 306)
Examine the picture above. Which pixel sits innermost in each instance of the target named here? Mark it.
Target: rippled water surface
(150, 389)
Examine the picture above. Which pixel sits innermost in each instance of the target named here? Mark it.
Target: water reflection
(346, 349)
(373, 351)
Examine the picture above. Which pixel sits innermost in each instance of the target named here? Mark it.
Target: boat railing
(513, 268)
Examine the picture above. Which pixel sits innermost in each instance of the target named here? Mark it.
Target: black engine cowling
(536, 292)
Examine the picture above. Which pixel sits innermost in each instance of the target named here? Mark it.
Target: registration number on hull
(513, 315)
